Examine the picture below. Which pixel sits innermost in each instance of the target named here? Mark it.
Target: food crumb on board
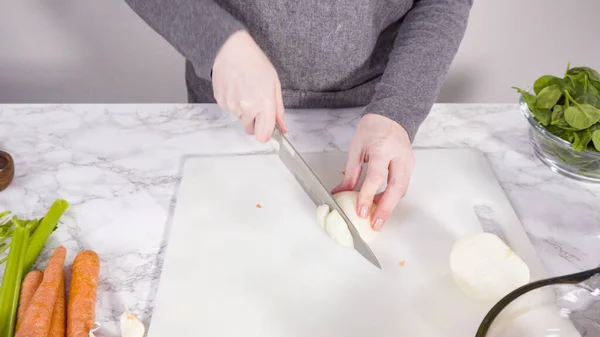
(258, 206)
(402, 263)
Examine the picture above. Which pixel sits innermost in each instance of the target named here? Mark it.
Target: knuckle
(375, 176)
(233, 106)
(365, 197)
(363, 194)
(348, 178)
(377, 148)
(383, 212)
(262, 137)
(395, 184)
(398, 187)
(247, 104)
(248, 122)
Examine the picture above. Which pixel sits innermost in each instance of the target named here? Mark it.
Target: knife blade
(317, 192)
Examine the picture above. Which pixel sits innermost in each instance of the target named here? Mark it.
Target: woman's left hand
(386, 148)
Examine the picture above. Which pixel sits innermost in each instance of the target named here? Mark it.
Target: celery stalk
(3, 214)
(5, 226)
(33, 225)
(11, 281)
(7, 232)
(43, 231)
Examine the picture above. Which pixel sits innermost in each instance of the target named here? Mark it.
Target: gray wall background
(101, 52)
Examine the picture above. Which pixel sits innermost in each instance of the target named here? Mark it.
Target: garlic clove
(131, 326)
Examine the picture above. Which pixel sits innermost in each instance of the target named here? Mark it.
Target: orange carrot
(81, 309)
(59, 315)
(36, 322)
(30, 284)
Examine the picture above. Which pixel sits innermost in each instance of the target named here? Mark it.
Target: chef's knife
(316, 191)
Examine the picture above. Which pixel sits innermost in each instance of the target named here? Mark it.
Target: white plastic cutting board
(247, 258)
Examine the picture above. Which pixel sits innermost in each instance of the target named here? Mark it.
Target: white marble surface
(119, 166)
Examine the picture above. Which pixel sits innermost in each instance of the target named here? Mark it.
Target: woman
(255, 57)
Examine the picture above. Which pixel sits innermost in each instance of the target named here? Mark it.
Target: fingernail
(363, 211)
(378, 224)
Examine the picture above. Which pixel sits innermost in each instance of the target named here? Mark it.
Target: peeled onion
(322, 213)
(485, 268)
(348, 201)
(335, 225)
(338, 230)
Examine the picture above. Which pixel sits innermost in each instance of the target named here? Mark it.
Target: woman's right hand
(246, 83)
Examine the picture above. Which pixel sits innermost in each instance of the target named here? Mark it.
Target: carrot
(36, 322)
(30, 284)
(81, 309)
(58, 322)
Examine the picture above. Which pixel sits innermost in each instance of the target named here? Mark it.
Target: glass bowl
(558, 154)
(562, 306)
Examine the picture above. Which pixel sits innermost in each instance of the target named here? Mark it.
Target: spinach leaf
(558, 132)
(548, 97)
(591, 73)
(568, 100)
(582, 84)
(595, 84)
(592, 90)
(579, 83)
(562, 123)
(569, 87)
(582, 139)
(558, 119)
(595, 127)
(546, 81)
(568, 67)
(561, 133)
(542, 115)
(596, 139)
(582, 116)
(555, 130)
(569, 136)
(529, 98)
(589, 99)
(558, 113)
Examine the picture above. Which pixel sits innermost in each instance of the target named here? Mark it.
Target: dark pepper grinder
(7, 170)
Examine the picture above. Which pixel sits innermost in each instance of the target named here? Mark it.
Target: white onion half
(335, 225)
(485, 268)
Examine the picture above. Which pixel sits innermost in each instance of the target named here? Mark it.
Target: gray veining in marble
(119, 165)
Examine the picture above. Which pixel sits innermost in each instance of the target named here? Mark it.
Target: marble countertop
(119, 168)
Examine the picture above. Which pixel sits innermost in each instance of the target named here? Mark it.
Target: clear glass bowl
(558, 154)
(545, 308)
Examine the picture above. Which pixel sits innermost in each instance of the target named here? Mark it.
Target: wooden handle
(7, 170)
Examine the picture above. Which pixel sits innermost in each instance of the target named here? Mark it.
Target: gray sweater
(390, 56)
